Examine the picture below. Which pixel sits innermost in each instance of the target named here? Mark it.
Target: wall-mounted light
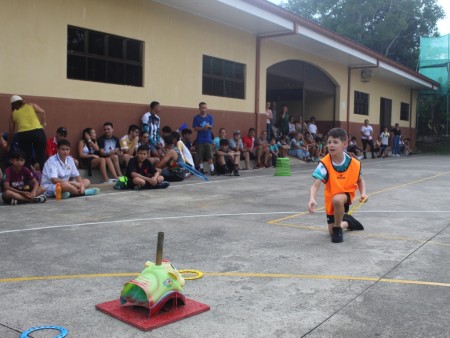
(366, 75)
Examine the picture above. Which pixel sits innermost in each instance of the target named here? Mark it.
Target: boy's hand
(312, 205)
(364, 198)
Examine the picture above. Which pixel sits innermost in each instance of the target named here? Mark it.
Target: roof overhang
(268, 21)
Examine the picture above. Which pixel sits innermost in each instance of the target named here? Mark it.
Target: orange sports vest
(340, 182)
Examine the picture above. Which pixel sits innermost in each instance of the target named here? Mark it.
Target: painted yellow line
(275, 221)
(364, 234)
(233, 274)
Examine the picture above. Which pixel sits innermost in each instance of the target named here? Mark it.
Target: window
(361, 103)
(404, 111)
(102, 57)
(223, 78)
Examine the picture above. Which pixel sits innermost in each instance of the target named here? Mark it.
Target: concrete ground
(270, 267)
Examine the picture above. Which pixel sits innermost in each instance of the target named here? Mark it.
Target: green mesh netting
(434, 60)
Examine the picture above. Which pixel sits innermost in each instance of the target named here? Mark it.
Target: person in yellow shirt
(28, 121)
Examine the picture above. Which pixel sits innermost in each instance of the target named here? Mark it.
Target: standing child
(341, 175)
(19, 183)
(384, 137)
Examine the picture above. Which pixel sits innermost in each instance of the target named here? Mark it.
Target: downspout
(410, 114)
(349, 73)
(258, 68)
(257, 81)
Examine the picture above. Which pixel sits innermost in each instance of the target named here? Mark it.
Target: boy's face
(108, 131)
(385, 130)
(133, 134)
(272, 141)
(142, 155)
(144, 138)
(224, 148)
(63, 152)
(222, 133)
(336, 146)
(187, 137)
(203, 109)
(17, 163)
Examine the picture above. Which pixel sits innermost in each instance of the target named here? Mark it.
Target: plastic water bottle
(58, 192)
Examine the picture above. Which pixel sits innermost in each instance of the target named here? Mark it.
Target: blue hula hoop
(62, 331)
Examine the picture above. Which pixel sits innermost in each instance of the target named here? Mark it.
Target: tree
(390, 27)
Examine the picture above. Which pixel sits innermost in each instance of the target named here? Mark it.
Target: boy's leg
(340, 206)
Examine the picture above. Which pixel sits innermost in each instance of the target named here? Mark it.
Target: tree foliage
(390, 27)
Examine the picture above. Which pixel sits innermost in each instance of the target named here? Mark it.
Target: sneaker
(91, 191)
(338, 236)
(13, 202)
(202, 171)
(360, 157)
(353, 224)
(162, 185)
(65, 195)
(40, 199)
(236, 173)
(112, 180)
(137, 187)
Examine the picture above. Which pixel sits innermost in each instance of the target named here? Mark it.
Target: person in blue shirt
(203, 124)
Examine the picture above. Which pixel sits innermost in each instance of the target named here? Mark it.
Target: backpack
(121, 183)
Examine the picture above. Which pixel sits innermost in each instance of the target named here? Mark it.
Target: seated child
(142, 174)
(60, 168)
(227, 159)
(283, 146)
(19, 184)
(273, 148)
(172, 162)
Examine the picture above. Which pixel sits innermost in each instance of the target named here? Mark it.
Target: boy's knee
(339, 200)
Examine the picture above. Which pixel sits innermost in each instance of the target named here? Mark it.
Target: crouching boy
(60, 168)
(341, 175)
(19, 185)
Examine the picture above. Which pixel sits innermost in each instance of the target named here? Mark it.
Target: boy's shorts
(330, 212)
(204, 152)
(50, 190)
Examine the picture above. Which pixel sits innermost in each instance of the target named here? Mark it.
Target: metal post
(159, 248)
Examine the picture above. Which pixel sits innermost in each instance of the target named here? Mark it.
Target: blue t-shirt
(321, 172)
(203, 136)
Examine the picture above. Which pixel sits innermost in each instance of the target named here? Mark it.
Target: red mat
(138, 316)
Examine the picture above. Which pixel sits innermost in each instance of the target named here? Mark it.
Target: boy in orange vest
(341, 175)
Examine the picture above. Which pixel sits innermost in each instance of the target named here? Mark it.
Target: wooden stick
(159, 248)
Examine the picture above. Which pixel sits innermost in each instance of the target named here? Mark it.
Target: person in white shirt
(312, 127)
(269, 118)
(366, 138)
(384, 137)
(60, 168)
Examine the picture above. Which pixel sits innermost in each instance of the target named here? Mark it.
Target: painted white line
(145, 219)
(404, 211)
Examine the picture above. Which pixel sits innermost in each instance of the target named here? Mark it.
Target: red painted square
(138, 316)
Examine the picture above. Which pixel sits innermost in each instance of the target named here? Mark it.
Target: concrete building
(90, 61)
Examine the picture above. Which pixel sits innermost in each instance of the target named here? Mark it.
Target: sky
(443, 25)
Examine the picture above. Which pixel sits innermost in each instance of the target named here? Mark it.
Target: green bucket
(283, 167)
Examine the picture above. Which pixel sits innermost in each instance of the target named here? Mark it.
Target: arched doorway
(305, 89)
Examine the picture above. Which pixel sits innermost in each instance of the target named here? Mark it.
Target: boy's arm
(312, 195)
(362, 189)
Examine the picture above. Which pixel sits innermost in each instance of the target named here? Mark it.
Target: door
(385, 113)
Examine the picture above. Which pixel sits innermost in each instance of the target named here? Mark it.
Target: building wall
(34, 65)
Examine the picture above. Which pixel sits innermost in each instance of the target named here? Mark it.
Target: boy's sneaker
(91, 191)
(337, 236)
(137, 187)
(162, 185)
(65, 195)
(13, 202)
(40, 199)
(236, 173)
(353, 223)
